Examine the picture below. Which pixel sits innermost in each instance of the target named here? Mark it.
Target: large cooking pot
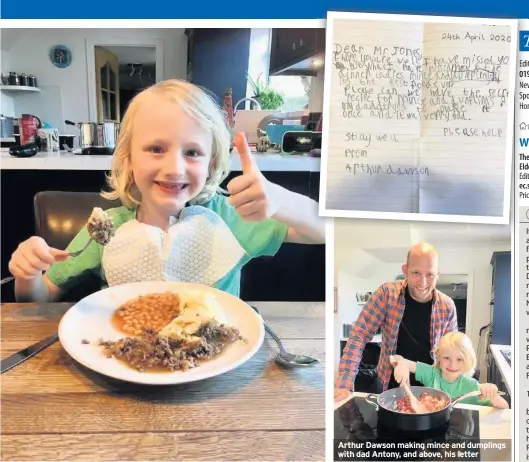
(97, 138)
(385, 405)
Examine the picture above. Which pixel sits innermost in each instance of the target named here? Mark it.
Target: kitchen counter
(63, 160)
(504, 367)
(494, 424)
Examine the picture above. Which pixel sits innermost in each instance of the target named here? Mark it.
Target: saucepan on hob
(97, 138)
(388, 415)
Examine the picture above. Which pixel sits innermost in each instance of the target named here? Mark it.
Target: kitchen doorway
(456, 286)
(117, 72)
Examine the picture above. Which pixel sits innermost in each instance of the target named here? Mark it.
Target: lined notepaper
(418, 117)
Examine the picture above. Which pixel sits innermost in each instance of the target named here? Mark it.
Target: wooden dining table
(53, 408)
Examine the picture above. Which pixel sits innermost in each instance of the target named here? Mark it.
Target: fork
(70, 254)
(79, 252)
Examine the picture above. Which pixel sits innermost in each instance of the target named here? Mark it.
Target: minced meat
(218, 333)
(153, 351)
(101, 226)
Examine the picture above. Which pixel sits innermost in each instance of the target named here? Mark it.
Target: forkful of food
(402, 376)
(100, 227)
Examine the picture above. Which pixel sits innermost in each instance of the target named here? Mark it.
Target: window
(295, 90)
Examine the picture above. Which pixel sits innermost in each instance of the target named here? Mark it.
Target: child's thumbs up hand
(248, 163)
(251, 193)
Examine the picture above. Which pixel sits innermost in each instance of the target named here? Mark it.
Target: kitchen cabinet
(365, 378)
(218, 59)
(293, 50)
(501, 298)
(494, 376)
(314, 186)
(295, 273)
(190, 34)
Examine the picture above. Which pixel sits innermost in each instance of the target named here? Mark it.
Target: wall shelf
(18, 88)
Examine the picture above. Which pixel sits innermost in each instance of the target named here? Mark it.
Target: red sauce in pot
(431, 403)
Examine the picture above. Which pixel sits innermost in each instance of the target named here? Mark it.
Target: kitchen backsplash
(46, 105)
(8, 107)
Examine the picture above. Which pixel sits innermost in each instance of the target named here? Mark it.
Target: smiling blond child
(175, 224)
(452, 372)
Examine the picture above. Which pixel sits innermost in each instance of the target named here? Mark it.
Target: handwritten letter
(417, 117)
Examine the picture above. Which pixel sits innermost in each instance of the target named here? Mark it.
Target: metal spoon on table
(70, 254)
(284, 358)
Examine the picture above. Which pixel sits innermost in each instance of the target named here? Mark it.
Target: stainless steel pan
(388, 416)
(97, 138)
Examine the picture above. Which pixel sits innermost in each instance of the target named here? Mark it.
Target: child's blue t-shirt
(262, 238)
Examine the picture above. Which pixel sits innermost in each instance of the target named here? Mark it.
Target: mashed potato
(197, 309)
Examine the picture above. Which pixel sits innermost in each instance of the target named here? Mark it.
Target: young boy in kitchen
(452, 372)
(175, 225)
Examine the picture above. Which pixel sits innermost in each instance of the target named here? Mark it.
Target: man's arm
(365, 327)
(451, 325)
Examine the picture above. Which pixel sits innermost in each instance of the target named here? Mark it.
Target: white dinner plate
(90, 319)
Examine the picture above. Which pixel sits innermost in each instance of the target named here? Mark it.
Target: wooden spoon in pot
(416, 405)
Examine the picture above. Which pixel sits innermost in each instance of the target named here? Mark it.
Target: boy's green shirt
(262, 238)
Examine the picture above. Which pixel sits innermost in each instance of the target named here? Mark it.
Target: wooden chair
(59, 216)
